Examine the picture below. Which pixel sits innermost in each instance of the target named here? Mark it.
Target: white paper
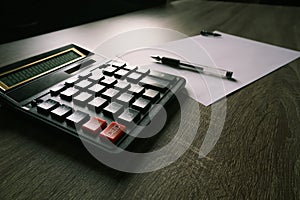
(249, 60)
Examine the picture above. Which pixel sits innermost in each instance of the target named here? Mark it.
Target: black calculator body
(104, 102)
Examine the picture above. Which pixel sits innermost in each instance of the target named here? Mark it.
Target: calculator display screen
(28, 72)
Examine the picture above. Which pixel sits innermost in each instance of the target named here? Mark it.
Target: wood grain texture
(256, 157)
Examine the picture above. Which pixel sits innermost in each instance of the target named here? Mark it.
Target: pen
(207, 33)
(202, 68)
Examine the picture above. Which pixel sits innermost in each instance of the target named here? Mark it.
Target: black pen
(202, 68)
(207, 33)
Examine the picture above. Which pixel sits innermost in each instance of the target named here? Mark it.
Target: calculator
(105, 102)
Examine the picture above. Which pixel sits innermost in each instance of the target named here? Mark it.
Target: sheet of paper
(249, 60)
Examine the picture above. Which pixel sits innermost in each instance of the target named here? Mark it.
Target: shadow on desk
(20, 133)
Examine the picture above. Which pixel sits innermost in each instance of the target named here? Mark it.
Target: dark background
(271, 2)
(22, 19)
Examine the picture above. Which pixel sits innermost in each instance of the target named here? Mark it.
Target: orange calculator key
(113, 131)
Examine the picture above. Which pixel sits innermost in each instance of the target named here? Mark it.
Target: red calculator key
(113, 132)
(94, 125)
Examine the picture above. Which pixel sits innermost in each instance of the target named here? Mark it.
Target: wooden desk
(256, 157)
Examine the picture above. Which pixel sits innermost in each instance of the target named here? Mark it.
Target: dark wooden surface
(256, 157)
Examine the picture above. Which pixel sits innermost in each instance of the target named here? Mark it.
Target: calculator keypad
(105, 102)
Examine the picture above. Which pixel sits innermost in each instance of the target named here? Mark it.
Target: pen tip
(157, 58)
